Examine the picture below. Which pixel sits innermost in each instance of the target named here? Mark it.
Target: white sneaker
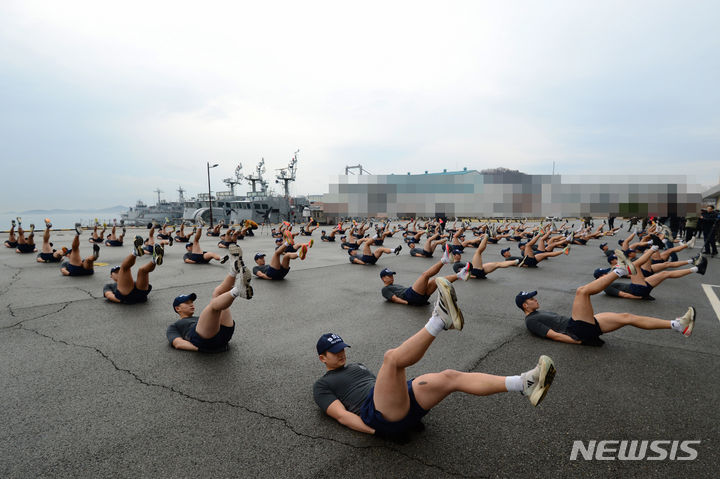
(623, 261)
(687, 321)
(464, 274)
(537, 381)
(691, 243)
(235, 250)
(446, 255)
(446, 305)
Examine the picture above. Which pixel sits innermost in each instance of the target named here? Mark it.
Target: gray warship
(142, 214)
(259, 204)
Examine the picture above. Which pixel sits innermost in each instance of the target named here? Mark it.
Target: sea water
(59, 220)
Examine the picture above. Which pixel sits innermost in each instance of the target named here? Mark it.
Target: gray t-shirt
(350, 384)
(540, 322)
(261, 268)
(394, 290)
(180, 328)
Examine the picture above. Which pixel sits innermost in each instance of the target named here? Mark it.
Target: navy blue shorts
(148, 248)
(478, 273)
(277, 273)
(11, 244)
(135, 296)
(216, 344)
(368, 259)
(329, 239)
(645, 272)
(415, 298)
(640, 289)
(581, 241)
(226, 243)
(196, 257)
(48, 258)
(583, 331)
(530, 262)
(373, 418)
(212, 233)
(77, 270)
(26, 248)
(163, 236)
(378, 242)
(493, 240)
(182, 239)
(113, 243)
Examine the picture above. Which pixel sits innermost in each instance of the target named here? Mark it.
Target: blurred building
(508, 193)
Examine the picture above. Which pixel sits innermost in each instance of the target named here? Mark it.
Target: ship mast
(158, 191)
(236, 180)
(287, 174)
(259, 170)
(181, 197)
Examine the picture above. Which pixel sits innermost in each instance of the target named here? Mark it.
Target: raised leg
(217, 313)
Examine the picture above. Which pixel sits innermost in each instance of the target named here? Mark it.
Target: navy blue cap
(602, 245)
(457, 251)
(188, 245)
(386, 272)
(611, 258)
(259, 255)
(114, 269)
(330, 342)
(183, 298)
(504, 250)
(523, 296)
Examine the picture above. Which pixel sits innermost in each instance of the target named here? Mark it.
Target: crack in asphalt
(281, 420)
(479, 360)
(19, 323)
(11, 280)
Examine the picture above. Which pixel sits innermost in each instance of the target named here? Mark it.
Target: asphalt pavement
(93, 389)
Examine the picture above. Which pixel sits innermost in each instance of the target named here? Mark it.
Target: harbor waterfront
(92, 389)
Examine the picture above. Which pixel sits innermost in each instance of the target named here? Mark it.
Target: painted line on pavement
(713, 298)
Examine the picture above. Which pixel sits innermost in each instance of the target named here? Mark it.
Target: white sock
(135, 253)
(513, 383)
(676, 326)
(694, 269)
(232, 273)
(620, 272)
(234, 292)
(689, 261)
(654, 247)
(435, 325)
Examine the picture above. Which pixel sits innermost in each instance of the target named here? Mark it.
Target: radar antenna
(181, 192)
(258, 177)
(236, 180)
(287, 174)
(158, 191)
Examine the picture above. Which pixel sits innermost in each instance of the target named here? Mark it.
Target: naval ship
(142, 214)
(259, 204)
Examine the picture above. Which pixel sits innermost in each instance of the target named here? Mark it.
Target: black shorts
(478, 273)
(197, 258)
(26, 248)
(48, 258)
(212, 233)
(581, 241)
(113, 243)
(182, 239)
(368, 259)
(277, 273)
(96, 240)
(378, 242)
(148, 249)
(135, 296)
(382, 426)
(639, 289)
(330, 239)
(226, 243)
(77, 270)
(415, 298)
(530, 262)
(163, 236)
(216, 344)
(493, 240)
(11, 244)
(584, 331)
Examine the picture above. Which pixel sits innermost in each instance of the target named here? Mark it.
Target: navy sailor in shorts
(212, 330)
(584, 326)
(389, 404)
(124, 288)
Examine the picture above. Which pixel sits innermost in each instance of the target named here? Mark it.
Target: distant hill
(112, 209)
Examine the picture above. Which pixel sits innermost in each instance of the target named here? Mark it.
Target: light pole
(210, 194)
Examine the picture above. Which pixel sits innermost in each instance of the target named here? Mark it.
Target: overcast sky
(102, 102)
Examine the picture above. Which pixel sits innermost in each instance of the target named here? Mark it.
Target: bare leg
(490, 267)
(275, 260)
(658, 278)
(217, 313)
(74, 257)
(125, 282)
(612, 321)
(421, 285)
(196, 243)
(46, 248)
(582, 309)
(208, 256)
(379, 252)
(541, 256)
(143, 276)
(430, 389)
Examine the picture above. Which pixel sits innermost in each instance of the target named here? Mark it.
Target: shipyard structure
(501, 193)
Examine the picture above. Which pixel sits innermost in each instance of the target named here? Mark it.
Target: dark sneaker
(702, 265)
(687, 321)
(158, 254)
(537, 382)
(96, 251)
(446, 305)
(138, 246)
(696, 259)
(657, 241)
(170, 241)
(397, 250)
(224, 260)
(48, 224)
(78, 229)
